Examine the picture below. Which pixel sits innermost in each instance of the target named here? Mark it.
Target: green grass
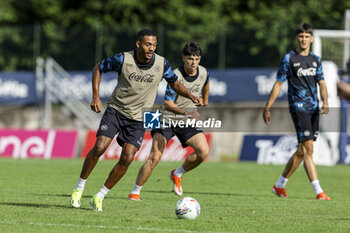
(234, 197)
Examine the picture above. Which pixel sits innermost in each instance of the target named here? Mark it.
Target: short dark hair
(192, 48)
(145, 32)
(304, 27)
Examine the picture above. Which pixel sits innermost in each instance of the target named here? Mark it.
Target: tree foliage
(254, 29)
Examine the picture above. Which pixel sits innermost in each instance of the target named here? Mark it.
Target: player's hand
(324, 109)
(95, 105)
(201, 101)
(197, 101)
(194, 115)
(267, 116)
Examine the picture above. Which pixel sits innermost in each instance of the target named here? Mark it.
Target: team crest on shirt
(157, 68)
(306, 133)
(314, 64)
(104, 127)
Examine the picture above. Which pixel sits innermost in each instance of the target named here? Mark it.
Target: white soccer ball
(187, 208)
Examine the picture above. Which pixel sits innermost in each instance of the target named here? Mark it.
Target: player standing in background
(303, 70)
(196, 79)
(139, 73)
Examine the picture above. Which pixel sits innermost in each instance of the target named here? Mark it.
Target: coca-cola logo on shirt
(195, 88)
(147, 78)
(306, 72)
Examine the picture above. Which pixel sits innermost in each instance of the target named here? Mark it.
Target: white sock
(81, 184)
(136, 189)
(179, 171)
(103, 192)
(281, 182)
(316, 186)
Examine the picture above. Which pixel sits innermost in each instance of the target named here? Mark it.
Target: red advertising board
(173, 150)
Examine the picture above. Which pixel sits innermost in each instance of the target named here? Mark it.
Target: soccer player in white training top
(196, 79)
(139, 73)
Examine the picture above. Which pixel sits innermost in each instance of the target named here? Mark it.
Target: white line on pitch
(96, 226)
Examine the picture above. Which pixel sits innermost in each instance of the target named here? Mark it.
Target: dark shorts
(130, 131)
(306, 125)
(183, 134)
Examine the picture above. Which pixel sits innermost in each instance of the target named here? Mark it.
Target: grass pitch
(234, 197)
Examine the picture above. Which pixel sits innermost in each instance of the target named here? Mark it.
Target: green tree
(78, 33)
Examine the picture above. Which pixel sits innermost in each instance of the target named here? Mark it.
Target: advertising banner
(17, 88)
(44, 144)
(229, 85)
(225, 86)
(277, 149)
(173, 150)
(268, 149)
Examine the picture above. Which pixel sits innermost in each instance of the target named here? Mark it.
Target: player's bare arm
(96, 79)
(182, 90)
(205, 94)
(171, 106)
(276, 89)
(324, 97)
(344, 90)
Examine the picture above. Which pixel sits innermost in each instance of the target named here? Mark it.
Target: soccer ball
(187, 208)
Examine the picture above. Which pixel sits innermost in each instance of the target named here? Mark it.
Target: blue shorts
(183, 134)
(306, 125)
(113, 122)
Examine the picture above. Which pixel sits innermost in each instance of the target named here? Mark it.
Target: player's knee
(300, 153)
(203, 152)
(126, 158)
(309, 151)
(99, 149)
(158, 150)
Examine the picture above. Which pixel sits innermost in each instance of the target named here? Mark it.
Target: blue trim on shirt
(283, 71)
(170, 94)
(319, 71)
(113, 63)
(208, 75)
(169, 74)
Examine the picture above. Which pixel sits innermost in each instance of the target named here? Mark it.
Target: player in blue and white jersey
(303, 71)
(139, 73)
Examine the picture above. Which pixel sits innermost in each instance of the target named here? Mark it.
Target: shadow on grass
(57, 195)
(203, 193)
(185, 193)
(39, 205)
(155, 191)
(268, 194)
(342, 219)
